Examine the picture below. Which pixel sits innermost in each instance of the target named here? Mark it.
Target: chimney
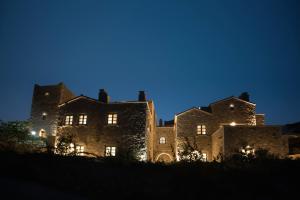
(142, 96)
(103, 97)
(245, 96)
(161, 123)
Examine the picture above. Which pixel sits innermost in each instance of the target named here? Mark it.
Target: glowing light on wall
(248, 150)
(232, 124)
(33, 133)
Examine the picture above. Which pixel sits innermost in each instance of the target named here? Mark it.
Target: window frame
(112, 118)
(69, 119)
(110, 151)
(201, 129)
(79, 150)
(204, 158)
(162, 140)
(82, 119)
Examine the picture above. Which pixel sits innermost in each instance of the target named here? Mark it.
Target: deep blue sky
(183, 53)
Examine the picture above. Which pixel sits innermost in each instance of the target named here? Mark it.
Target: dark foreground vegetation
(43, 176)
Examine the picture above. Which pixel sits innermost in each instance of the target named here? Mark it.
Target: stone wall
(186, 130)
(260, 119)
(45, 100)
(164, 152)
(218, 144)
(241, 112)
(128, 135)
(257, 137)
(151, 130)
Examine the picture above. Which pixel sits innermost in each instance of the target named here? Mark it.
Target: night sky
(183, 53)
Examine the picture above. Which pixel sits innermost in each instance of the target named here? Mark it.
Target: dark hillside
(45, 176)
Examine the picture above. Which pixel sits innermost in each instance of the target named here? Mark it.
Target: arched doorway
(164, 157)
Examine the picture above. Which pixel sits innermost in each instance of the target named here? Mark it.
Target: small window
(110, 151)
(79, 150)
(204, 157)
(71, 147)
(42, 133)
(162, 140)
(44, 115)
(82, 119)
(69, 120)
(201, 129)
(112, 119)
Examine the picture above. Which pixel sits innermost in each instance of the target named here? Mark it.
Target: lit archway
(163, 157)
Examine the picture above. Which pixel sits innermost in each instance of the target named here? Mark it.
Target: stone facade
(122, 129)
(231, 140)
(129, 134)
(221, 119)
(186, 130)
(164, 144)
(44, 109)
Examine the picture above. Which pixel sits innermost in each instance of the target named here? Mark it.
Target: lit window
(42, 133)
(71, 147)
(79, 150)
(82, 119)
(47, 93)
(112, 119)
(232, 124)
(44, 115)
(69, 120)
(201, 129)
(110, 151)
(162, 140)
(204, 157)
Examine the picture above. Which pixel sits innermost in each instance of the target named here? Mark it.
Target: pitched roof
(231, 97)
(97, 101)
(193, 108)
(77, 98)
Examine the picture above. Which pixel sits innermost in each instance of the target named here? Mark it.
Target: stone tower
(44, 109)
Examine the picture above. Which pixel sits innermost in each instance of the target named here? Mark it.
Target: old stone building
(99, 127)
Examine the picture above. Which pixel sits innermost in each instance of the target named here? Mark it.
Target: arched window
(162, 140)
(42, 133)
(44, 115)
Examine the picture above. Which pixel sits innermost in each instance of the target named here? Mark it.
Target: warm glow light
(162, 140)
(110, 151)
(69, 120)
(112, 118)
(231, 105)
(33, 133)
(201, 129)
(82, 119)
(232, 124)
(80, 150)
(248, 150)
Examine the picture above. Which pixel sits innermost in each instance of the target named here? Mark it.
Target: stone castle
(129, 128)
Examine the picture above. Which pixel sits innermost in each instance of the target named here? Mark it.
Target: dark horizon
(183, 54)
